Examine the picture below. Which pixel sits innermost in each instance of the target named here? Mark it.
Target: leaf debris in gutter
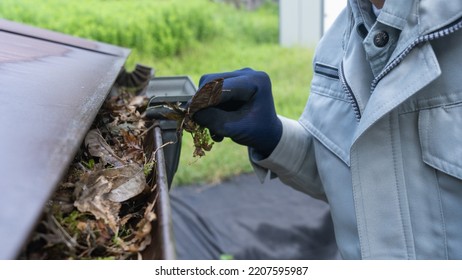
(102, 207)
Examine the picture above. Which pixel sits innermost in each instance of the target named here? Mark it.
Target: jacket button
(381, 39)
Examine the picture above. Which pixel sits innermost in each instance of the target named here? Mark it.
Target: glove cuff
(269, 139)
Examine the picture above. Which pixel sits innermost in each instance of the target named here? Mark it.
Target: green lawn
(185, 38)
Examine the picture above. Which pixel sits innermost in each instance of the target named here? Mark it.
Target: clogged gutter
(101, 208)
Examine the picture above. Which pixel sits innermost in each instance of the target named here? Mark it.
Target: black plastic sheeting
(249, 220)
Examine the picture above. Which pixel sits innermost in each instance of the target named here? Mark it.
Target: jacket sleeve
(293, 160)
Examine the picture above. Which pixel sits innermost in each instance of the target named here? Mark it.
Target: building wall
(300, 22)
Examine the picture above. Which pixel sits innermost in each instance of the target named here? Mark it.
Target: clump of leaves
(202, 141)
(102, 207)
(208, 95)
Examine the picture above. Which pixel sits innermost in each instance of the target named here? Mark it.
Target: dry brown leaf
(138, 101)
(142, 235)
(93, 199)
(132, 187)
(103, 191)
(98, 147)
(82, 226)
(208, 95)
(130, 139)
(144, 226)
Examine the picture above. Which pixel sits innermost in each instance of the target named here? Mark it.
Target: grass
(186, 38)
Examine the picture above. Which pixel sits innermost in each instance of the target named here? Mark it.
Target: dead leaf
(93, 199)
(103, 191)
(135, 185)
(208, 95)
(138, 101)
(98, 147)
(130, 139)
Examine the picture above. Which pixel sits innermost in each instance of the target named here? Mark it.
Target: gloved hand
(246, 111)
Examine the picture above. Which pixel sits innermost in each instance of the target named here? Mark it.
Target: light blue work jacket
(380, 138)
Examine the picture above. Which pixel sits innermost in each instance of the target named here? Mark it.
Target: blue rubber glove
(246, 112)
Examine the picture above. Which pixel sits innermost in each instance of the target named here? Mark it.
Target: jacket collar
(434, 15)
(395, 13)
(417, 17)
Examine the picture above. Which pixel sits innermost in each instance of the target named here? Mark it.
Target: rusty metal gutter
(51, 88)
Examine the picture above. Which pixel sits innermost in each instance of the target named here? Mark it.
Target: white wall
(331, 10)
(300, 22)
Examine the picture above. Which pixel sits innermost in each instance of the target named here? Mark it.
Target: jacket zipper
(422, 39)
(351, 97)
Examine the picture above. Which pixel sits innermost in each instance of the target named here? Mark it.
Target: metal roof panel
(60, 38)
(51, 88)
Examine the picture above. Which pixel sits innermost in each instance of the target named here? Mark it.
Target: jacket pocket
(328, 114)
(440, 131)
(326, 70)
(326, 81)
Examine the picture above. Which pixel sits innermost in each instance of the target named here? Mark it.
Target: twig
(70, 242)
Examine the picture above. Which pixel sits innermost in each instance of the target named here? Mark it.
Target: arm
(293, 160)
(246, 114)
